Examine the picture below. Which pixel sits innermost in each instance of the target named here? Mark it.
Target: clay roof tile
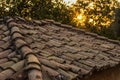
(5, 46)
(19, 75)
(6, 65)
(17, 66)
(17, 35)
(4, 53)
(32, 66)
(6, 38)
(49, 50)
(51, 72)
(4, 60)
(19, 43)
(35, 75)
(32, 59)
(6, 74)
(26, 51)
(14, 29)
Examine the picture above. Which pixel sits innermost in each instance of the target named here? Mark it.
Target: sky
(70, 2)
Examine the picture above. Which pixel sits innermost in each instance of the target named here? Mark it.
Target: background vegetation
(99, 16)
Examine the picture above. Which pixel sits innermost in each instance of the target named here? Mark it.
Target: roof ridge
(21, 45)
(48, 21)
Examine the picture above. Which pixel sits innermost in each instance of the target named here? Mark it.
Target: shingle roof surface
(48, 50)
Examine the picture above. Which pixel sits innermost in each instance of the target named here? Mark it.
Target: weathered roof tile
(19, 75)
(17, 66)
(32, 66)
(51, 72)
(32, 59)
(35, 75)
(12, 54)
(19, 43)
(6, 38)
(7, 64)
(5, 46)
(4, 53)
(49, 50)
(4, 60)
(48, 63)
(6, 74)
(26, 51)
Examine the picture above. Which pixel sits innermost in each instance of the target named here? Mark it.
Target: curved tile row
(21, 51)
(48, 50)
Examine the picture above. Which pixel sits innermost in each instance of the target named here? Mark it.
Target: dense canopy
(92, 15)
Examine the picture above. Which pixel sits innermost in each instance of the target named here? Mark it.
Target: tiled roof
(48, 50)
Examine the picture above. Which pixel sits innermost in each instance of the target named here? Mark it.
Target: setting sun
(79, 17)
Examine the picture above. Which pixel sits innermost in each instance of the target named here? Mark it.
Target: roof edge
(83, 31)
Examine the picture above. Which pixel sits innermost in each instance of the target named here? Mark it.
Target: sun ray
(79, 19)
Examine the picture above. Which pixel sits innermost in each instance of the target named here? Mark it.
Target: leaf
(7, 1)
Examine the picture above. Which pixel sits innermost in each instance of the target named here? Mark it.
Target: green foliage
(36, 9)
(99, 14)
(99, 11)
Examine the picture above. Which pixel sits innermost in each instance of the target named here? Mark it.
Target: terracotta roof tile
(65, 75)
(35, 75)
(57, 59)
(15, 29)
(12, 54)
(4, 28)
(6, 74)
(48, 63)
(4, 53)
(12, 24)
(16, 36)
(32, 66)
(26, 50)
(5, 46)
(14, 59)
(2, 36)
(6, 38)
(62, 66)
(19, 43)
(32, 59)
(51, 72)
(49, 50)
(17, 66)
(2, 42)
(4, 60)
(6, 65)
(19, 75)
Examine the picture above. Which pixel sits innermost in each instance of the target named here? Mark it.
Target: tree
(95, 15)
(115, 26)
(36, 9)
(92, 15)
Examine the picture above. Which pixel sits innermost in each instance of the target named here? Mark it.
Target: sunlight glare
(70, 2)
(91, 5)
(7, 9)
(79, 17)
(90, 20)
(118, 0)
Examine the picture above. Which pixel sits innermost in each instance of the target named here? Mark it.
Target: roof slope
(48, 50)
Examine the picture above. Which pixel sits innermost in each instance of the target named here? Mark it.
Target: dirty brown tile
(31, 50)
